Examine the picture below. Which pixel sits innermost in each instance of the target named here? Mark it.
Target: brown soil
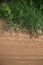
(20, 49)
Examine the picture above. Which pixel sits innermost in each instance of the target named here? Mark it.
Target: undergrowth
(26, 15)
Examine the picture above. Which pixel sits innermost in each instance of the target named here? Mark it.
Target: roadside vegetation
(23, 15)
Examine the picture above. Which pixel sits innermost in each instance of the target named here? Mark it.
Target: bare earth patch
(20, 49)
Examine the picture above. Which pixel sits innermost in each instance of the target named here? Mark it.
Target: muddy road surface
(19, 49)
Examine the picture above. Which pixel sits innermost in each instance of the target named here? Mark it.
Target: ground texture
(19, 49)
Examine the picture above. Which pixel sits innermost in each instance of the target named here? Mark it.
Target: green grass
(23, 15)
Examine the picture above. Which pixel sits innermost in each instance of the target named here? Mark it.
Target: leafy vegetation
(23, 14)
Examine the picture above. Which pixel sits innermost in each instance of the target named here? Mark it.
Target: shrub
(23, 13)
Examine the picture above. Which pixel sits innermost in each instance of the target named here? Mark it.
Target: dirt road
(19, 49)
